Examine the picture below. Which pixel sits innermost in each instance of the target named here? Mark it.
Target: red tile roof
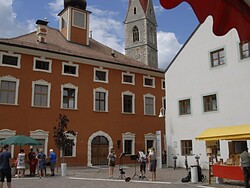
(56, 43)
(144, 4)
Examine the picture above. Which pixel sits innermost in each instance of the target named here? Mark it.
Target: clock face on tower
(137, 55)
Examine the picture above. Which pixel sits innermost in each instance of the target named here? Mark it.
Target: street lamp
(162, 112)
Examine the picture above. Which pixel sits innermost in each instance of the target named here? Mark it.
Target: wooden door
(99, 150)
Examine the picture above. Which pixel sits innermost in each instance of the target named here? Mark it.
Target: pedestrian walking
(21, 159)
(41, 163)
(52, 160)
(5, 170)
(111, 162)
(143, 161)
(32, 162)
(245, 166)
(152, 163)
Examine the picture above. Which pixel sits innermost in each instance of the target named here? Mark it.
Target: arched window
(135, 34)
(134, 10)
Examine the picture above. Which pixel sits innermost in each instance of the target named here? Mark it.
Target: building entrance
(99, 150)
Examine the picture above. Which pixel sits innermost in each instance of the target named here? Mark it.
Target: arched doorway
(99, 150)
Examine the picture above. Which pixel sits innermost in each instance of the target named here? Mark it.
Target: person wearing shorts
(5, 170)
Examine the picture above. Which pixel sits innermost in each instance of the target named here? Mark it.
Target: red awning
(227, 14)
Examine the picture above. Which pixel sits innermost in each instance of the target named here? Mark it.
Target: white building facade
(207, 86)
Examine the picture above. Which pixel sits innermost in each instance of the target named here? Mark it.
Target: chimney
(42, 30)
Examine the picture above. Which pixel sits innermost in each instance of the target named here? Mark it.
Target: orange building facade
(111, 101)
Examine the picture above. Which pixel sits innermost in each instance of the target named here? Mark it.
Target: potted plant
(62, 141)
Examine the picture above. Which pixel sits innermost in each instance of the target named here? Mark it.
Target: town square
(93, 94)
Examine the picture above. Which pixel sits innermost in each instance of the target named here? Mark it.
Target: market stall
(237, 137)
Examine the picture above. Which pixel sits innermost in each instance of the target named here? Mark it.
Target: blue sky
(106, 22)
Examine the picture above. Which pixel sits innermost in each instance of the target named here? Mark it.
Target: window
(8, 90)
(100, 100)
(148, 81)
(210, 103)
(128, 78)
(186, 147)
(164, 105)
(215, 147)
(69, 69)
(41, 136)
(184, 107)
(149, 104)
(135, 34)
(128, 143)
(10, 60)
(79, 19)
(128, 102)
(42, 65)
(100, 75)
(163, 84)
(69, 96)
(5, 133)
(245, 50)
(217, 57)
(64, 20)
(41, 93)
(134, 10)
(70, 151)
(150, 141)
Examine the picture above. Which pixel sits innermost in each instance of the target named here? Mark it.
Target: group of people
(35, 161)
(151, 157)
(40, 162)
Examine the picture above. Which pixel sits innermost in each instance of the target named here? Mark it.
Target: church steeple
(140, 32)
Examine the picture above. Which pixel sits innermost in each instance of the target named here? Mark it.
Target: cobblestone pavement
(97, 177)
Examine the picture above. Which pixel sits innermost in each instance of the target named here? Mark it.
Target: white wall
(190, 76)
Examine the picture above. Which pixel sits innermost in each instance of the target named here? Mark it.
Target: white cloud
(10, 27)
(106, 29)
(168, 46)
(56, 6)
(158, 9)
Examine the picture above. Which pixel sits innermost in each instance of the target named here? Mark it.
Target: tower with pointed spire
(140, 32)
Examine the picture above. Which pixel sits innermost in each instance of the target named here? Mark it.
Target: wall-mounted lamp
(162, 112)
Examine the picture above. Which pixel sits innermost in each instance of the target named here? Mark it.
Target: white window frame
(42, 59)
(133, 100)
(144, 102)
(106, 98)
(43, 135)
(11, 79)
(65, 17)
(73, 19)
(5, 133)
(128, 136)
(148, 77)
(10, 54)
(72, 65)
(150, 136)
(102, 70)
(71, 137)
(128, 74)
(44, 83)
(70, 86)
(163, 84)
